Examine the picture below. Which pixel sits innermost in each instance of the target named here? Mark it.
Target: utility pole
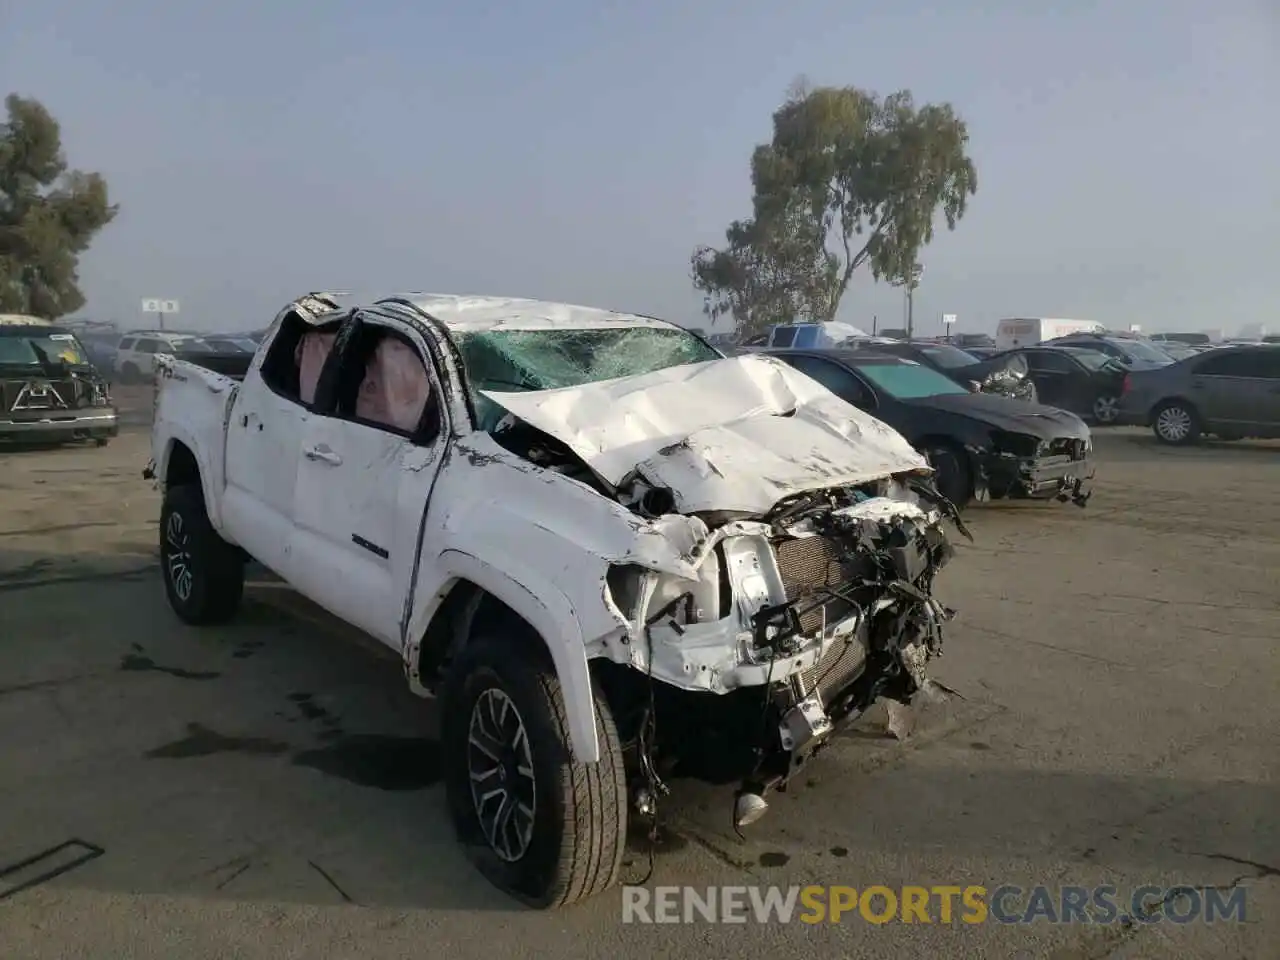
(909, 281)
(913, 281)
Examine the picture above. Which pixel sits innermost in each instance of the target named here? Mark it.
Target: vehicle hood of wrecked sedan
(736, 434)
(1008, 414)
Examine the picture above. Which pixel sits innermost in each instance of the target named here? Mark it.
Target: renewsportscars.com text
(970, 904)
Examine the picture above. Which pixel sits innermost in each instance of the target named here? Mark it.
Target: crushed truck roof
(473, 313)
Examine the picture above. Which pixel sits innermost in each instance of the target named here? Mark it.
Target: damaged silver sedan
(613, 554)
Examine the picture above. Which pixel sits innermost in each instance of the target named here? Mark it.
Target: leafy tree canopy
(849, 179)
(48, 214)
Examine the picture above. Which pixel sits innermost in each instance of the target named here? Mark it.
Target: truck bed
(231, 365)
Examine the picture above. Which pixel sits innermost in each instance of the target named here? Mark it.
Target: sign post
(161, 307)
(948, 321)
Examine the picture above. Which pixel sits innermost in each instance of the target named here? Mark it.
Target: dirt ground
(269, 789)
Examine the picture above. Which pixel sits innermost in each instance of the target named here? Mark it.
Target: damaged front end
(780, 567)
(1027, 467)
(799, 621)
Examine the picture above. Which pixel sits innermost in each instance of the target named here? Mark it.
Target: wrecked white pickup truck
(615, 555)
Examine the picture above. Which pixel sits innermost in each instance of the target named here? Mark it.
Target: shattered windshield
(515, 360)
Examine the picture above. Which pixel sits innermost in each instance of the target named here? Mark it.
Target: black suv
(49, 390)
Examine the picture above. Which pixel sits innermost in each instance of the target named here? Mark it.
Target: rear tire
(130, 373)
(565, 828)
(1106, 409)
(1176, 423)
(203, 574)
(952, 475)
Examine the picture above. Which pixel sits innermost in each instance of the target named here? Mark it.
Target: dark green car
(49, 390)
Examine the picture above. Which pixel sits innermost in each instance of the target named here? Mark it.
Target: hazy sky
(579, 149)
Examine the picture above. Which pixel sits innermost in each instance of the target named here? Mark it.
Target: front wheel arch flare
(547, 613)
(181, 445)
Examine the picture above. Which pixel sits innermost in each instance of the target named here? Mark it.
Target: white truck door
(364, 480)
(264, 444)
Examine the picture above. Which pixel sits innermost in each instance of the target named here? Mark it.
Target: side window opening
(1051, 363)
(383, 382)
(1228, 365)
(292, 365)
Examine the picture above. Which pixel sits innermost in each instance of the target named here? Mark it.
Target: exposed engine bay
(850, 619)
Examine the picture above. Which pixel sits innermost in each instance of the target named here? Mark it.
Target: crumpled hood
(1008, 414)
(735, 434)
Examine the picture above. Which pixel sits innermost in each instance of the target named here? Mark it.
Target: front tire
(952, 476)
(1176, 423)
(543, 827)
(203, 574)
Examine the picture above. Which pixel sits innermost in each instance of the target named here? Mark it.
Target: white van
(1026, 331)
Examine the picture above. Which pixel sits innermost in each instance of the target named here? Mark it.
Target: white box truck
(1025, 331)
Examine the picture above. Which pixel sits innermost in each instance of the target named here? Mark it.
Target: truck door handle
(324, 455)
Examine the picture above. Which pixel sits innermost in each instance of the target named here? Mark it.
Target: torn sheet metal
(733, 434)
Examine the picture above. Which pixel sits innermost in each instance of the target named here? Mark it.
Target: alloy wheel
(177, 557)
(1173, 424)
(500, 764)
(1106, 409)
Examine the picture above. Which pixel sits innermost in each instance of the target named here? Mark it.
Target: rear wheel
(540, 825)
(952, 476)
(130, 373)
(1175, 423)
(203, 574)
(1106, 409)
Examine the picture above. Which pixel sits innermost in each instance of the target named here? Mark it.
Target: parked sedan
(1231, 392)
(1134, 353)
(1086, 382)
(982, 446)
